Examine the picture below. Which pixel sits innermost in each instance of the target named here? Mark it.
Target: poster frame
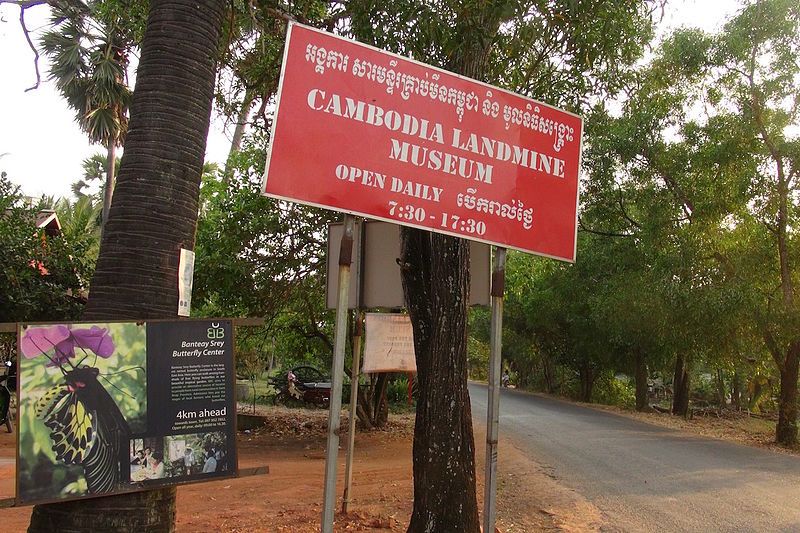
(134, 487)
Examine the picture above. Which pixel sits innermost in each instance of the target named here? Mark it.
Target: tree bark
(640, 377)
(238, 133)
(381, 403)
(547, 373)
(757, 389)
(153, 214)
(155, 206)
(680, 385)
(786, 430)
(587, 379)
(736, 391)
(435, 278)
(721, 392)
(435, 283)
(108, 191)
(241, 123)
(373, 407)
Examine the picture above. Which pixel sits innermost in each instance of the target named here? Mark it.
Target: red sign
(368, 132)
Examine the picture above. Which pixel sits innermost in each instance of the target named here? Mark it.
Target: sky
(42, 148)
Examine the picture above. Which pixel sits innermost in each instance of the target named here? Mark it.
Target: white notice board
(389, 346)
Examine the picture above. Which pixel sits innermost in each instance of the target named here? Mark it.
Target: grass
(264, 392)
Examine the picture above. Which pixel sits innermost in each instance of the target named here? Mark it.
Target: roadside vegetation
(683, 296)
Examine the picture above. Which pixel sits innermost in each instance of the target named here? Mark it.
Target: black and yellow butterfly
(86, 427)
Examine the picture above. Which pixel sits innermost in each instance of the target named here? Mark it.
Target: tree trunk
(757, 389)
(786, 430)
(108, 191)
(436, 288)
(241, 123)
(721, 392)
(155, 206)
(736, 391)
(373, 407)
(680, 385)
(587, 378)
(547, 372)
(435, 284)
(238, 134)
(640, 376)
(380, 402)
(153, 215)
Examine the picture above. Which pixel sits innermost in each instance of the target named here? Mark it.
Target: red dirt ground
(289, 498)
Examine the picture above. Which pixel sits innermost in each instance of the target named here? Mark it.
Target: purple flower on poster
(59, 342)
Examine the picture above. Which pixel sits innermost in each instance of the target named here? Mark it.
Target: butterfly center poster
(113, 407)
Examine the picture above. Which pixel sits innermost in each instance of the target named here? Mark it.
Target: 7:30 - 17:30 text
(448, 221)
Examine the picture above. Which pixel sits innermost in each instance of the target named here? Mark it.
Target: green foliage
(41, 277)
(251, 60)
(610, 390)
(80, 227)
(88, 46)
(397, 391)
(261, 257)
(563, 52)
(477, 359)
(686, 244)
(251, 364)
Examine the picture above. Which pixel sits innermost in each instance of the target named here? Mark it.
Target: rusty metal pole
(351, 440)
(493, 407)
(339, 341)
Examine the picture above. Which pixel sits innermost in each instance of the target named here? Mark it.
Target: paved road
(646, 478)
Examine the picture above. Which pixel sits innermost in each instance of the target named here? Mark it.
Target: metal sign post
(340, 338)
(493, 408)
(351, 439)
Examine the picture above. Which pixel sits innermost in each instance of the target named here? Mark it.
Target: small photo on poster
(197, 454)
(147, 460)
(83, 393)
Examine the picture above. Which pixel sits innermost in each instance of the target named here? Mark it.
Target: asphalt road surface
(647, 478)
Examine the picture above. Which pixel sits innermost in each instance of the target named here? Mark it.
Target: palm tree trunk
(108, 191)
(238, 133)
(154, 215)
(241, 122)
(156, 200)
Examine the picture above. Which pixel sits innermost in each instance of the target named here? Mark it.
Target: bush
(397, 391)
(609, 390)
(477, 359)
